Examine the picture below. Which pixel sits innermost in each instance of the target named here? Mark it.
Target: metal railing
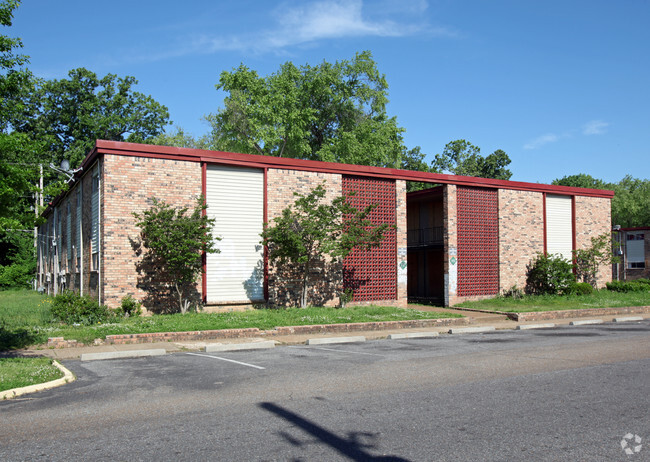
(424, 236)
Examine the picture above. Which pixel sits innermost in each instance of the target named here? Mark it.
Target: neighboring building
(635, 253)
(466, 238)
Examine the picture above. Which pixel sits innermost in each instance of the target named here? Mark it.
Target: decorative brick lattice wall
(478, 241)
(372, 274)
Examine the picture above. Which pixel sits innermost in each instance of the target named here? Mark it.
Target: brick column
(450, 236)
(400, 218)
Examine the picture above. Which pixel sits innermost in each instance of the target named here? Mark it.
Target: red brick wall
(521, 234)
(128, 184)
(593, 218)
(283, 287)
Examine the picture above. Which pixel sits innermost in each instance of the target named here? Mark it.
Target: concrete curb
(535, 326)
(628, 318)
(122, 354)
(239, 346)
(226, 334)
(585, 322)
(331, 340)
(579, 313)
(412, 335)
(68, 377)
(472, 330)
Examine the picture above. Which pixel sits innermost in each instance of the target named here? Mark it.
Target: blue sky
(562, 86)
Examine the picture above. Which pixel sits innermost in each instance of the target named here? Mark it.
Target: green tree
(181, 139)
(174, 243)
(581, 180)
(413, 159)
(17, 179)
(331, 112)
(631, 202)
(588, 261)
(70, 114)
(461, 157)
(312, 230)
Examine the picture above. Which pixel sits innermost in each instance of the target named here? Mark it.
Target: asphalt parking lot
(567, 393)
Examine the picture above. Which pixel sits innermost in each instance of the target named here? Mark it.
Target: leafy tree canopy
(70, 114)
(331, 112)
(581, 180)
(461, 157)
(413, 159)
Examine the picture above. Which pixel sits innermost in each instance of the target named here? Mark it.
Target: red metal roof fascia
(638, 228)
(254, 160)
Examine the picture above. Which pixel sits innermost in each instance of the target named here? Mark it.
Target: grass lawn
(598, 299)
(25, 320)
(22, 372)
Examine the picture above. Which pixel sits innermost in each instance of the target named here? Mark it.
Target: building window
(94, 221)
(635, 250)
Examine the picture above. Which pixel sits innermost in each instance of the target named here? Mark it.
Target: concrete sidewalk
(474, 319)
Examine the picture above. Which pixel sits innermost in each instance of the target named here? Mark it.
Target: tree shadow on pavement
(351, 447)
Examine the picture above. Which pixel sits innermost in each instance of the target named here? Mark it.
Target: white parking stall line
(228, 360)
(338, 351)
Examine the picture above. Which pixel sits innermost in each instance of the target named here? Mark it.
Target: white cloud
(541, 141)
(595, 127)
(330, 19)
(301, 23)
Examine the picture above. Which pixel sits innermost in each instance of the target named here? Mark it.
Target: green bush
(639, 285)
(70, 308)
(549, 274)
(581, 288)
(129, 307)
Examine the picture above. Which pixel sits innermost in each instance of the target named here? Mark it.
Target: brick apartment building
(465, 238)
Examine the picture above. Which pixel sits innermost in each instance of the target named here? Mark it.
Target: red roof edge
(197, 155)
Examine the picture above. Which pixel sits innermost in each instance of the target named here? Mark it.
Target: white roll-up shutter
(559, 226)
(235, 198)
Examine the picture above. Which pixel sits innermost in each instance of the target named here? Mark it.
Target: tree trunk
(181, 305)
(303, 290)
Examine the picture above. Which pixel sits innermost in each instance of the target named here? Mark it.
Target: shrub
(549, 274)
(129, 307)
(581, 288)
(640, 285)
(71, 308)
(514, 292)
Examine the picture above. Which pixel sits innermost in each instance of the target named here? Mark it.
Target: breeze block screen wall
(478, 241)
(371, 274)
